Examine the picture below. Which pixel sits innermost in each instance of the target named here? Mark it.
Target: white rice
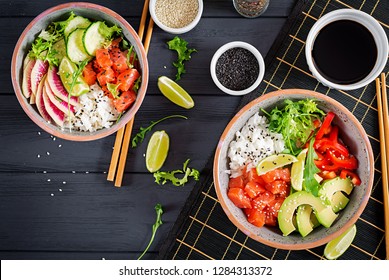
(253, 143)
(94, 112)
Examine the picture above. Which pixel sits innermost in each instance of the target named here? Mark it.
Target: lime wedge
(297, 171)
(336, 247)
(273, 162)
(66, 72)
(157, 150)
(175, 93)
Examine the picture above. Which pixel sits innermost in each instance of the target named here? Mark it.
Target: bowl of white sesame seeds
(176, 16)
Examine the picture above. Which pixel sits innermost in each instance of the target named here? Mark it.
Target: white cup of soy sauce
(346, 49)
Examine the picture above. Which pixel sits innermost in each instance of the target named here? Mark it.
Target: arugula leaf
(140, 136)
(295, 122)
(157, 224)
(310, 183)
(184, 54)
(162, 177)
(77, 74)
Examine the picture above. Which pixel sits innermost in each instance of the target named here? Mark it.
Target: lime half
(157, 150)
(66, 73)
(175, 93)
(336, 247)
(273, 162)
(297, 171)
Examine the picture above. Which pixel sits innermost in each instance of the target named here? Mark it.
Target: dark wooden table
(55, 201)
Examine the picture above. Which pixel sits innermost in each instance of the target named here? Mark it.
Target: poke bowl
(293, 194)
(79, 71)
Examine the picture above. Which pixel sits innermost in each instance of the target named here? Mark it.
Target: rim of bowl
(231, 45)
(54, 129)
(355, 15)
(172, 30)
(290, 246)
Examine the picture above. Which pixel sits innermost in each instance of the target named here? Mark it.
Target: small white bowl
(231, 45)
(366, 20)
(181, 30)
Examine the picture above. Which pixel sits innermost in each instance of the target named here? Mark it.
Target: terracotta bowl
(351, 132)
(61, 12)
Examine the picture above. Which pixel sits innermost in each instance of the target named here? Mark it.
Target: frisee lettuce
(184, 54)
(162, 177)
(295, 121)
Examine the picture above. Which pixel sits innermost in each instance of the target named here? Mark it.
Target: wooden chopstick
(127, 133)
(121, 132)
(383, 119)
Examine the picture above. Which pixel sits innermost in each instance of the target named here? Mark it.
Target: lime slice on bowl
(273, 162)
(336, 247)
(175, 93)
(297, 171)
(66, 72)
(157, 150)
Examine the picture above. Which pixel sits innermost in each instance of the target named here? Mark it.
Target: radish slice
(56, 114)
(63, 105)
(37, 72)
(58, 88)
(26, 82)
(40, 102)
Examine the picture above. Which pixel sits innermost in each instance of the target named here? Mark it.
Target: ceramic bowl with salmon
(79, 71)
(266, 206)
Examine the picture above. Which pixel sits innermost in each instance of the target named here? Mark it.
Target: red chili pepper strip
(325, 126)
(353, 176)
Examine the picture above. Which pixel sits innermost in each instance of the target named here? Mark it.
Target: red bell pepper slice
(325, 126)
(345, 162)
(334, 134)
(352, 175)
(324, 144)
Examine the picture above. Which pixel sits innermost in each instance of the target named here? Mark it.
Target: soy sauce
(344, 52)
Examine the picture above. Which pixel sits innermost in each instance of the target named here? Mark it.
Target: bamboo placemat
(203, 231)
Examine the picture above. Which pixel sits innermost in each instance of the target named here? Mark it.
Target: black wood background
(60, 205)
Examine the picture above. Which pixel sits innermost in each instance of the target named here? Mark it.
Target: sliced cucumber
(93, 39)
(76, 22)
(75, 48)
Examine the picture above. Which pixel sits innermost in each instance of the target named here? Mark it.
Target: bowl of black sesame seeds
(237, 68)
(176, 16)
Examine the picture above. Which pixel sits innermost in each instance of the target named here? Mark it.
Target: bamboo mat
(203, 231)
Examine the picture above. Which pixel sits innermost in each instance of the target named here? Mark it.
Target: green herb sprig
(162, 177)
(157, 224)
(184, 54)
(140, 136)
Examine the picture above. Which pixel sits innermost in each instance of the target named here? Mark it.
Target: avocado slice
(303, 218)
(323, 212)
(332, 192)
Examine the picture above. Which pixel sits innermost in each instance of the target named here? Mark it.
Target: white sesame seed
(73, 172)
(60, 190)
(48, 180)
(44, 171)
(39, 133)
(64, 182)
(38, 156)
(52, 194)
(48, 153)
(59, 146)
